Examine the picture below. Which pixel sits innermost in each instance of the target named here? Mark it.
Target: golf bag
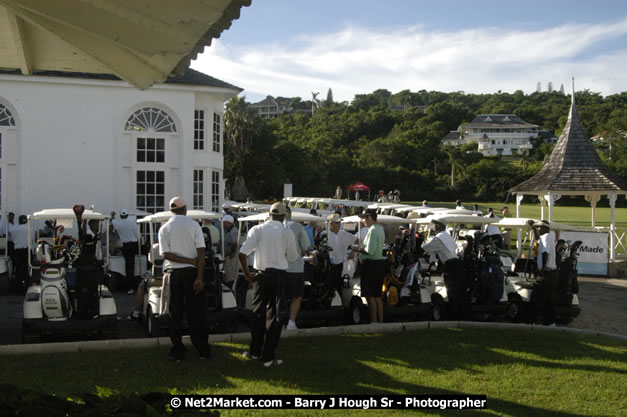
(567, 284)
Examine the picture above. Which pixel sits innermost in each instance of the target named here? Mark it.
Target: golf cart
(408, 291)
(116, 273)
(6, 264)
(69, 296)
(486, 287)
(321, 302)
(523, 274)
(221, 311)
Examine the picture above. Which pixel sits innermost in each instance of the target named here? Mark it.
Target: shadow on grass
(350, 364)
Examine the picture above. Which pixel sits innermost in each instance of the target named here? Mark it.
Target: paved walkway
(320, 331)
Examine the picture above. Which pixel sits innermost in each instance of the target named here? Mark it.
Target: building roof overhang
(142, 42)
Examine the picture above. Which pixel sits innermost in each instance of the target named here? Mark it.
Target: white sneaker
(274, 362)
(248, 355)
(131, 292)
(291, 326)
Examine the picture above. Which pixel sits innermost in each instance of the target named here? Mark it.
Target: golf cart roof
(164, 216)
(439, 210)
(461, 219)
(136, 213)
(521, 223)
(65, 213)
(297, 216)
(383, 219)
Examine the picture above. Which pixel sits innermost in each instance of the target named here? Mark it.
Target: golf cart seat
(156, 260)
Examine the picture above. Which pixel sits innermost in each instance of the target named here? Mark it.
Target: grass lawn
(522, 373)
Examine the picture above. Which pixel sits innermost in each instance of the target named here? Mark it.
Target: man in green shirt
(373, 265)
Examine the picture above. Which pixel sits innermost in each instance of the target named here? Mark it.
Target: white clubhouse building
(75, 138)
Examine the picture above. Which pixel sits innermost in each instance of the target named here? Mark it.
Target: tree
(329, 101)
(239, 129)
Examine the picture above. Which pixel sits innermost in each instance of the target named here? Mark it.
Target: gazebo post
(519, 199)
(612, 198)
(542, 204)
(593, 199)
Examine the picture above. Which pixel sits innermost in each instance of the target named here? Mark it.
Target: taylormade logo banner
(593, 253)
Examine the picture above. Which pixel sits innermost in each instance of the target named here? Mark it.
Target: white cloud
(358, 60)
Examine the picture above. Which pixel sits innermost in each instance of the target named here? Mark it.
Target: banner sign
(593, 252)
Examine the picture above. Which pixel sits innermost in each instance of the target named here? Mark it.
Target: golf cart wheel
(514, 309)
(152, 324)
(356, 311)
(438, 312)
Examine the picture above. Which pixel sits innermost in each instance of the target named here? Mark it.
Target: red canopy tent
(358, 186)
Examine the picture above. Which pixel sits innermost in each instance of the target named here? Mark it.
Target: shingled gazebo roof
(574, 166)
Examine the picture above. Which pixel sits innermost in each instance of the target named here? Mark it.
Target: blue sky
(293, 47)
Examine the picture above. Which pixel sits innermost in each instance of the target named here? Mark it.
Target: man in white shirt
(127, 230)
(274, 246)
(339, 241)
(444, 247)
(182, 245)
(543, 296)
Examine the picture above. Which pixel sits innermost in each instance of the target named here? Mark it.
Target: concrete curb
(85, 346)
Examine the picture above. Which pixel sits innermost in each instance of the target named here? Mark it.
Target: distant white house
(69, 138)
(271, 107)
(496, 134)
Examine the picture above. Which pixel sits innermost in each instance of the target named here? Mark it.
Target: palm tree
(239, 128)
(525, 159)
(314, 101)
(456, 160)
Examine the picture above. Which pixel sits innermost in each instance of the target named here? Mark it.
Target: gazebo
(358, 186)
(574, 168)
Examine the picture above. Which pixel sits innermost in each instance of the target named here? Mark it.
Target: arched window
(149, 158)
(6, 118)
(150, 119)
(8, 158)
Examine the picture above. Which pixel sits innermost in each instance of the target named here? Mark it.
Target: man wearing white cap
(274, 246)
(127, 230)
(182, 245)
(339, 241)
(443, 246)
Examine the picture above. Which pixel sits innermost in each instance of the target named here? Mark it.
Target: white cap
(177, 203)
(228, 218)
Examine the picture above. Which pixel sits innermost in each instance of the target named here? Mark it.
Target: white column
(593, 200)
(542, 204)
(612, 198)
(551, 198)
(519, 199)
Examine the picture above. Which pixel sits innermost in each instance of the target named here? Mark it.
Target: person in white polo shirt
(127, 229)
(339, 241)
(182, 245)
(274, 246)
